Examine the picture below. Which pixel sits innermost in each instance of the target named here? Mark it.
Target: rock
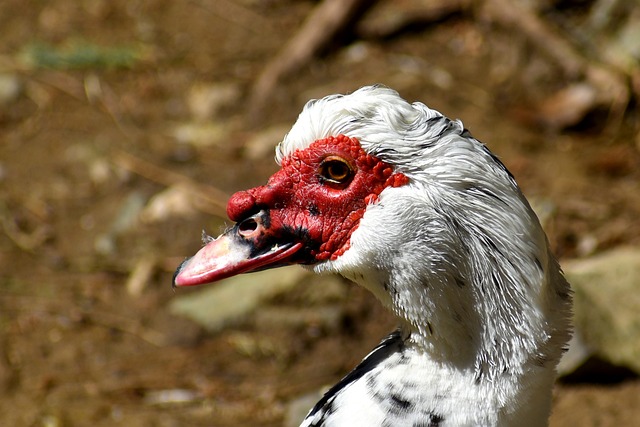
(168, 397)
(205, 101)
(176, 201)
(568, 106)
(10, 88)
(201, 134)
(607, 303)
(356, 53)
(232, 299)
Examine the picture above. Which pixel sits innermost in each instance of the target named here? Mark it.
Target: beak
(249, 246)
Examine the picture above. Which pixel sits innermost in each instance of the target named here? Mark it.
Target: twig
(321, 26)
(516, 16)
(430, 13)
(141, 273)
(611, 85)
(97, 91)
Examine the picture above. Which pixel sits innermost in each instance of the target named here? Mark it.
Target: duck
(405, 202)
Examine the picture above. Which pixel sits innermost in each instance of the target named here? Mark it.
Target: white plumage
(458, 255)
(483, 353)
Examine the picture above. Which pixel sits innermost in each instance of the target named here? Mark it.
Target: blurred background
(125, 125)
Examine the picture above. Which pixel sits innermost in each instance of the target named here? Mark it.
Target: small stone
(10, 88)
(200, 134)
(171, 397)
(206, 101)
(177, 201)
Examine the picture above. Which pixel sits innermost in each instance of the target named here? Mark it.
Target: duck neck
(468, 338)
(472, 326)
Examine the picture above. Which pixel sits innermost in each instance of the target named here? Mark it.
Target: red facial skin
(306, 207)
(305, 213)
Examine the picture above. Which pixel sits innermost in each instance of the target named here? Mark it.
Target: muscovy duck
(405, 202)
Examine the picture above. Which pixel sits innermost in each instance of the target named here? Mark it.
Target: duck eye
(335, 170)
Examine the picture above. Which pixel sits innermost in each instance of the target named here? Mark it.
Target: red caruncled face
(318, 196)
(305, 214)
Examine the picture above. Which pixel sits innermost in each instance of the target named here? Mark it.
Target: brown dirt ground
(78, 349)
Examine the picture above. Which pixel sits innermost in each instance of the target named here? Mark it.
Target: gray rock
(232, 299)
(607, 305)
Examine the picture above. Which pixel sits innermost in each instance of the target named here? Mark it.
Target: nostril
(247, 227)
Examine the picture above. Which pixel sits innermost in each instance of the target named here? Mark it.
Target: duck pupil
(336, 171)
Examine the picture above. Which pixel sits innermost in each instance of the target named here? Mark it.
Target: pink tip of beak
(227, 256)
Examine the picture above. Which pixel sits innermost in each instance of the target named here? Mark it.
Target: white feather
(459, 256)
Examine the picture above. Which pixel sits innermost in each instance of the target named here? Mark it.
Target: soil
(80, 345)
